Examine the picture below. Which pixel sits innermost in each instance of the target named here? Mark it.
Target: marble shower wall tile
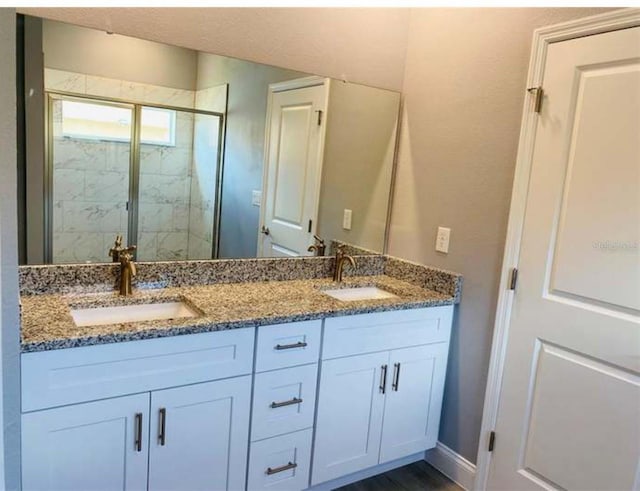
(83, 84)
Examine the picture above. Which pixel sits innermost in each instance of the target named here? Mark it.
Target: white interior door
(294, 165)
(569, 413)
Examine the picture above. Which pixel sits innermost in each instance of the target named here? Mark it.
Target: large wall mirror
(190, 155)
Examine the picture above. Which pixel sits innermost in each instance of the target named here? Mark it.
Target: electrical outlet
(256, 198)
(346, 219)
(442, 239)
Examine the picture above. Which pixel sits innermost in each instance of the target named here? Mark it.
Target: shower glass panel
(89, 166)
(178, 183)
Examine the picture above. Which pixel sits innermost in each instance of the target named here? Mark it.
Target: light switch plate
(346, 219)
(256, 198)
(442, 239)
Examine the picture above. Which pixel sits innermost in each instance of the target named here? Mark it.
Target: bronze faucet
(341, 257)
(127, 270)
(318, 248)
(117, 248)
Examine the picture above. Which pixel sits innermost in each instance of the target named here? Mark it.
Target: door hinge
(513, 281)
(319, 117)
(539, 94)
(310, 224)
(492, 441)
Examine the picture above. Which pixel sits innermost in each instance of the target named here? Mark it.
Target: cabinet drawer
(367, 333)
(67, 376)
(284, 401)
(287, 345)
(281, 463)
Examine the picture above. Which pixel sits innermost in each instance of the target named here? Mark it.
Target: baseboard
(452, 465)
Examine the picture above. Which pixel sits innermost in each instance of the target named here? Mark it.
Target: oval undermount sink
(358, 293)
(100, 316)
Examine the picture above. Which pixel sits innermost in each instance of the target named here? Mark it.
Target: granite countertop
(47, 323)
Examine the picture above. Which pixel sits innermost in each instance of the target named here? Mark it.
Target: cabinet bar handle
(396, 377)
(290, 402)
(162, 431)
(299, 344)
(137, 444)
(282, 468)
(383, 378)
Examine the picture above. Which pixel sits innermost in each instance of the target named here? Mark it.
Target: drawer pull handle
(282, 468)
(137, 443)
(162, 431)
(299, 344)
(291, 402)
(396, 377)
(383, 378)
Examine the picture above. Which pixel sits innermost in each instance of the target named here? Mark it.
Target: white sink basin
(131, 313)
(358, 293)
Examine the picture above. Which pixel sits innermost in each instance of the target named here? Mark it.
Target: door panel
(294, 163)
(87, 447)
(569, 414)
(206, 435)
(349, 420)
(413, 405)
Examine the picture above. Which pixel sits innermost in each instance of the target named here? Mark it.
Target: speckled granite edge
(352, 250)
(93, 278)
(47, 322)
(439, 280)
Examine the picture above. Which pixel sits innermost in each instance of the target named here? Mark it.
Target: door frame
(542, 38)
(274, 88)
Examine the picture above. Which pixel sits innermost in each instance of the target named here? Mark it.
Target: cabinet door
(93, 446)
(199, 436)
(414, 400)
(350, 410)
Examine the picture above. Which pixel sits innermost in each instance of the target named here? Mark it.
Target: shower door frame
(134, 162)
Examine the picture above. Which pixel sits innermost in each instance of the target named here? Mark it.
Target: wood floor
(418, 476)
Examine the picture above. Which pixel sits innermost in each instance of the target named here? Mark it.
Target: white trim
(618, 19)
(298, 83)
(452, 465)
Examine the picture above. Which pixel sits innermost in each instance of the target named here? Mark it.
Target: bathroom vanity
(264, 385)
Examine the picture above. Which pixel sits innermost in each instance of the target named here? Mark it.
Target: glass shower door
(178, 180)
(89, 168)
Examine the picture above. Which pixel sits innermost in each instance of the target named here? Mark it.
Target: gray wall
(81, 50)
(9, 320)
(464, 88)
(244, 144)
(358, 162)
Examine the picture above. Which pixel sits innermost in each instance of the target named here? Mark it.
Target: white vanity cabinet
(177, 433)
(284, 404)
(278, 407)
(377, 404)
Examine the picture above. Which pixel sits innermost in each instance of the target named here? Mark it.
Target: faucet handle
(115, 251)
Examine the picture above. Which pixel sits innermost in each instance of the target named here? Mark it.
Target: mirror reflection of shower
(148, 173)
